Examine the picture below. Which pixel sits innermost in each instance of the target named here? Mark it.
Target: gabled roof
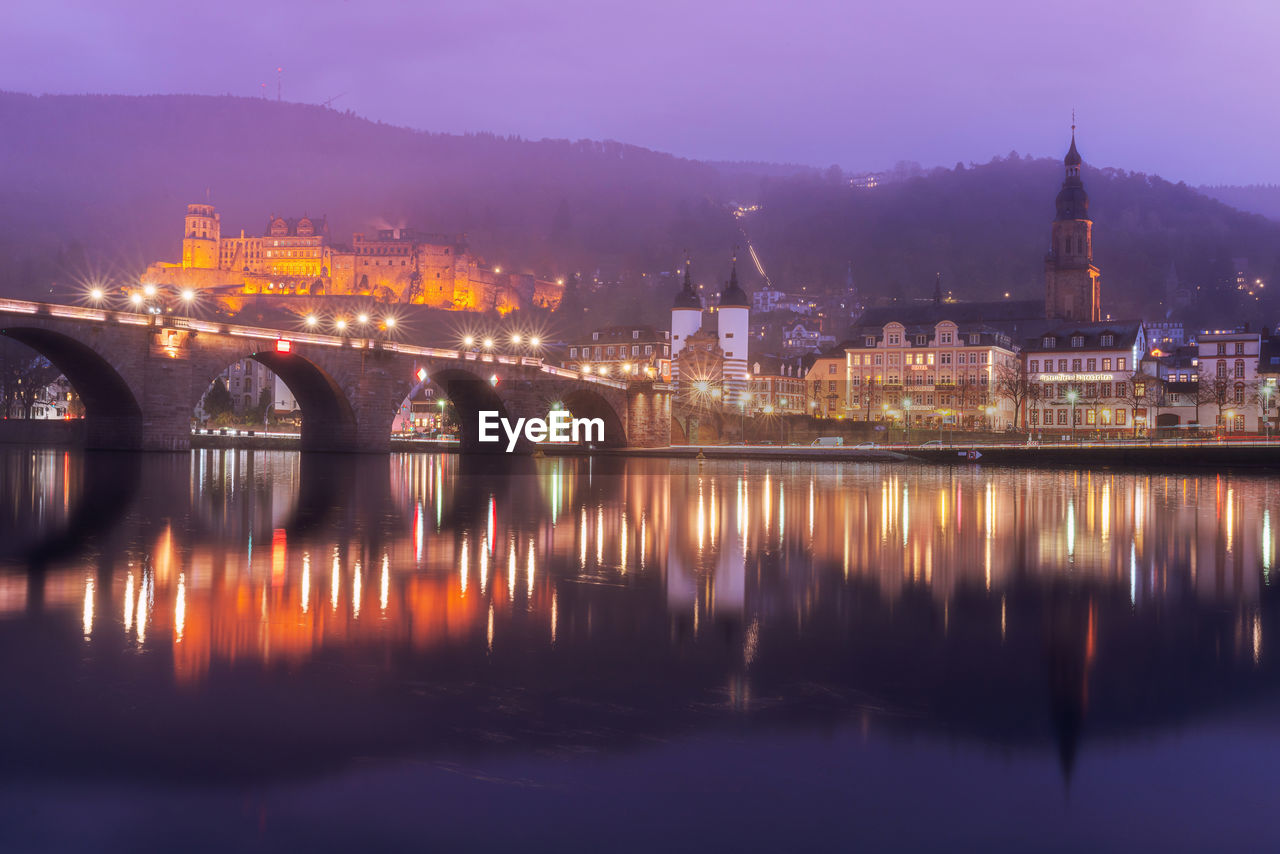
(1269, 356)
(1125, 333)
(993, 312)
(776, 366)
(987, 334)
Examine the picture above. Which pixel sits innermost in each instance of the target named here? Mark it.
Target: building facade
(827, 385)
(777, 385)
(1081, 379)
(1228, 375)
(621, 350)
(929, 375)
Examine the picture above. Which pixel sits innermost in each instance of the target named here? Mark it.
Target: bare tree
(1143, 391)
(1212, 390)
(869, 395)
(1012, 383)
(1264, 394)
(24, 375)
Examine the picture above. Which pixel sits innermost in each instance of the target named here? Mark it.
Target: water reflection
(569, 600)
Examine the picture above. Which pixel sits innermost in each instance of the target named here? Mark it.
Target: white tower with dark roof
(686, 319)
(735, 333)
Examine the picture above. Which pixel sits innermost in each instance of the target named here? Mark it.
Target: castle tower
(735, 331)
(686, 319)
(201, 238)
(1071, 284)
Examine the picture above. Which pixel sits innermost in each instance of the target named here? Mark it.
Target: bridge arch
(589, 403)
(328, 418)
(113, 416)
(469, 394)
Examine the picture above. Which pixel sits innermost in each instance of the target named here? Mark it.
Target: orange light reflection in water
(435, 563)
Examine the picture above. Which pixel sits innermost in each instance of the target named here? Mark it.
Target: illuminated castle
(296, 257)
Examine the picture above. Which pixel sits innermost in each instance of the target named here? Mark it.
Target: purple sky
(1180, 88)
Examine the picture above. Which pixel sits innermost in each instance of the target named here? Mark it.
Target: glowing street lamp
(389, 322)
(906, 409)
(136, 299)
(312, 320)
(96, 294)
(516, 339)
(535, 342)
(188, 295)
(1073, 396)
(340, 324)
(149, 290)
(468, 341)
(1266, 391)
(362, 318)
(488, 343)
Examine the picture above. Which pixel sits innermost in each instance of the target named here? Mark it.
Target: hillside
(97, 184)
(114, 173)
(1258, 198)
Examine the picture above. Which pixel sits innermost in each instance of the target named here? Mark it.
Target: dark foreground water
(260, 651)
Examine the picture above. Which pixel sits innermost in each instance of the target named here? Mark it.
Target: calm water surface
(264, 651)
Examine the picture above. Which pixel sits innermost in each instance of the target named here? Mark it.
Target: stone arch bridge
(141, 376)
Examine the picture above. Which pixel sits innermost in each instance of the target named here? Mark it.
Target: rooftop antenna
(331, 100)
(264, 90)
(280, 83)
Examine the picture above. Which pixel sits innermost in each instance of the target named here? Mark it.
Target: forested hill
(99, 183)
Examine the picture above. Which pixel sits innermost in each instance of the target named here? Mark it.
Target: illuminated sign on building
(1077, 378)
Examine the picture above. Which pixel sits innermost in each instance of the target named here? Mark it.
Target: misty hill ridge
(107, 177)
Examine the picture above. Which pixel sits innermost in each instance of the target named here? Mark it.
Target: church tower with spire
(1072, 291)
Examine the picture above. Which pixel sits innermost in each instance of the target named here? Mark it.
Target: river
(265, 650)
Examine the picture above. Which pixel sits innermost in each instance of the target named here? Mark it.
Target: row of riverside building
(1048, 366)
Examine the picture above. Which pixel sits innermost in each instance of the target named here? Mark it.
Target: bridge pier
(166, 410)
(374, 400)
(648, 416)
